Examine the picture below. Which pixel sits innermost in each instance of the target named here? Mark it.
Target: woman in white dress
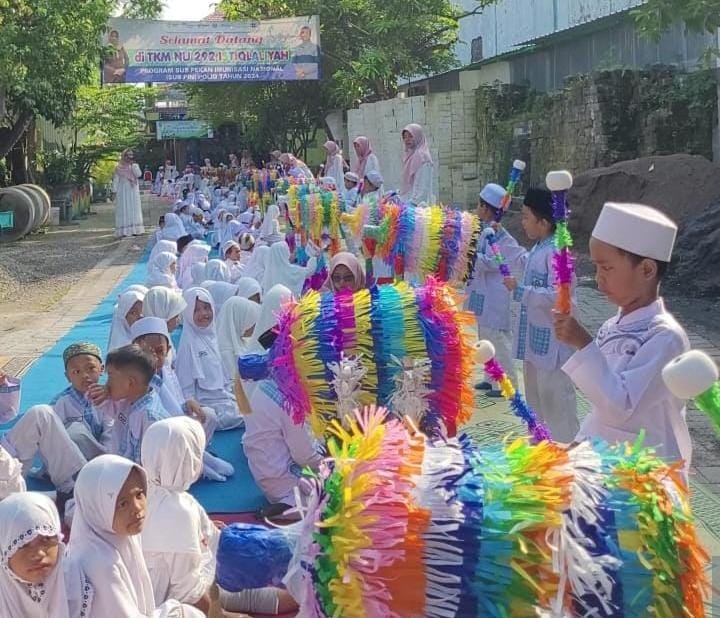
(126, 191)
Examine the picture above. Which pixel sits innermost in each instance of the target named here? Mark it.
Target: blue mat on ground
(46, 378)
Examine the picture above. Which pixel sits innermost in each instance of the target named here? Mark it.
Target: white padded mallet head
(484, 351)
(519, 165)
(559, 180)
(690, 374)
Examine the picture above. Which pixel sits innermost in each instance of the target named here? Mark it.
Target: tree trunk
(327, 128)
(10, 137)
(18, 163)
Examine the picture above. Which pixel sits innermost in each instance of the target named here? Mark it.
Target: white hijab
(195, 253)
(269, 226)
(255, 268)
(24, 517)
(217, 270)
(174, 227)
(248, 287)
(164, 303)
(198, 356)
(236, 316)
(159, 271)
(272, 304)
(220, 291)
(120, 329)
(197, 272)
(172, 453)
(169, 246)
(111, 565)
(279, 270)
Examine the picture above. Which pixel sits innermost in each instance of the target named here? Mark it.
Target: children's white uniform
(620, 374)
(489, 299)
(40, 432)
(11, 478)
(276, 448)
(547, 389)
(90, 427)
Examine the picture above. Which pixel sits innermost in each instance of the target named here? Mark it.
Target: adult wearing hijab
(334, 162)
(418, 168)
(344, 273)
(367, 160)
(126, 194)
(295, 167)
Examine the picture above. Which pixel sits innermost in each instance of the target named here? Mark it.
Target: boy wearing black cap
(548, 390)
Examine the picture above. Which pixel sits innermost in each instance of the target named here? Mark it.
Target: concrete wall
(450, 121)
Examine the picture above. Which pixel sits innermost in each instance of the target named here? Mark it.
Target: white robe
(128, 211)
(179, 540)
(106, 573)
(620, 374)
(423, 188)
(24, 517)
(335, 169)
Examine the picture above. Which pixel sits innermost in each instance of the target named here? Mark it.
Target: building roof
(216, 15)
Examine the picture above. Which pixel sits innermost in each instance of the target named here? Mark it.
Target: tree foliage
(655, 16)
(48, 50)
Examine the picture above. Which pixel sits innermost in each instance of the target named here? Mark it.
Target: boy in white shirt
(620, 370)
(547, 389)
(487, 296)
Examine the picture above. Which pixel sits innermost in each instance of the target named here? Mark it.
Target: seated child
(127, 310)
(247, 244)
(487, 296)
(250, 289)
(199, 364)
(136, 404)
(161, 271)
(270, 229)
(231, 254)
(89, 427)
(620, 370)
(280, 270)
(32, 581)
(235, 325)
(179, 540)
(217, 270)
(152, 336)
(548, 390)
(106, 573)
(158, 236)
(277, 449)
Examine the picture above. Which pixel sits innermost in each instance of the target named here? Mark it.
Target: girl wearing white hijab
(250, 289)
(161, 271)
(199, 364)
(220, 291)
(127, 311)
(174, 227)
(233, 256)
(237, 319)
(106, 573)
(197, 273)
(270, 228)
(32, 582)
(276, 448)
(279, 270)
(169, 246)
(179, 539)
(161, 302)
(255, 268)
(195, 253)
(217, 270)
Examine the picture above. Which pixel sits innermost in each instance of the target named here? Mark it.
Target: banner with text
(183, 129)
(212, 51)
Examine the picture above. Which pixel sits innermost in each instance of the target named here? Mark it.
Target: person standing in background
(126, 194)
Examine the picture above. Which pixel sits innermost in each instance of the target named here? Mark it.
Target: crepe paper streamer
(397, 524)
(416, 241)
(314, 214)
(485, 352)
(518, 167)
(377, 327)
(694, 375)
(563, 262)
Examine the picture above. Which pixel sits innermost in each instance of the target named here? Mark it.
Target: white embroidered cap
(638, 229)
(149, 326)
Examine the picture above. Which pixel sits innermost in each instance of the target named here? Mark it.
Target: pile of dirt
(682, 186)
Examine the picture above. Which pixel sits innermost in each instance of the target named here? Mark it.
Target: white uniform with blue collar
(547, 389)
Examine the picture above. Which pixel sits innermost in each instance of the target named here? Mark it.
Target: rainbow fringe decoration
(314, 214)
(399, 525)
(563, 262)
(417, 241)
(375, 326)
(537, 429)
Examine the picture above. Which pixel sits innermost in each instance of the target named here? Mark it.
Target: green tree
(48, 50)
(655, 16)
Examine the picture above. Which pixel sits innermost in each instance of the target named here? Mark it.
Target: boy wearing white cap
(487, 296)
(620, 370)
